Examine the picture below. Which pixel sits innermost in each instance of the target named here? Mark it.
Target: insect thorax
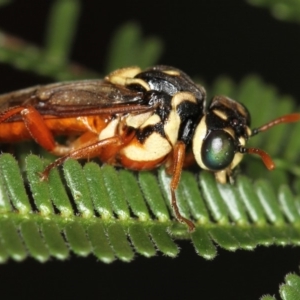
(177, 107)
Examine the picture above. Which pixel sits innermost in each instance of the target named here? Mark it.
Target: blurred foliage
(5, 2)
(287, 10)
(83, 210)
(129, 48)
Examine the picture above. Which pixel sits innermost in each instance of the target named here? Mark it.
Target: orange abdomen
(11, 132)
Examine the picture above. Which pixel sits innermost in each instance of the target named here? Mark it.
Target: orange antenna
(266, 158)
(284, 119)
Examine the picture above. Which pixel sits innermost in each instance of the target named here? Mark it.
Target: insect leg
(178, 162)
(35, 125)
(88, 151)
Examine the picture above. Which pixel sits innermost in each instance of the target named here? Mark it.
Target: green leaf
(288, 10)
(130, 227)
(290, 290)
(267, 297)
(61, 30)
(129, 48)
(53, 60)
(5, 2)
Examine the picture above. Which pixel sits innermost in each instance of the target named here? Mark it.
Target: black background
(209, 38)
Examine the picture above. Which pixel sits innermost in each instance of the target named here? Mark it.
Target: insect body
(135, 119)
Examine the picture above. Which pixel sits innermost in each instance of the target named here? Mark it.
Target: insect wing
(73, 98)
(17, 98)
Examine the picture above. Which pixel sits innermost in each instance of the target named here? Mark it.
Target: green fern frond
(127, 48)
(114, 214)
(61, 30)
(52, 60)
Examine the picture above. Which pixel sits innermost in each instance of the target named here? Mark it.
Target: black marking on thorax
(162, 88)
(143, 133)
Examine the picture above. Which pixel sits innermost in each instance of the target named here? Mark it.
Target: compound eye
(218, 150)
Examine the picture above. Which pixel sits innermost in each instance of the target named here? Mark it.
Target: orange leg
(189, 160)
(178, 162)
(35, 125)
(40, 132)
(88, 151)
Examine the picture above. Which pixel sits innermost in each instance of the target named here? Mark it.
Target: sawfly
(138, 120)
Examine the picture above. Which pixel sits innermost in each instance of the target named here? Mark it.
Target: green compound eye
(217, 150)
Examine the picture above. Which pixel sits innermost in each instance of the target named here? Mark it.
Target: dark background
(207, 39)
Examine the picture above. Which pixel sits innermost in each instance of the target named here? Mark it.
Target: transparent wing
(77, 96)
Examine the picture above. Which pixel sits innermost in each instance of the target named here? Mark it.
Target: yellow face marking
(154, 147)
(110, 130)
(220, 114)
(238, 156)
(231, 104)
(221, 176)
(200, 133)
(138, 120)
(242, 141)
(236, 160)
(230, 131)
(172, 72)
(249, 131)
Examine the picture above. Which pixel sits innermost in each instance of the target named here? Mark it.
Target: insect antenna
(267, 160)
(284, 119)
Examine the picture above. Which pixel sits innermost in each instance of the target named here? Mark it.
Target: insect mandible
(138, 120)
